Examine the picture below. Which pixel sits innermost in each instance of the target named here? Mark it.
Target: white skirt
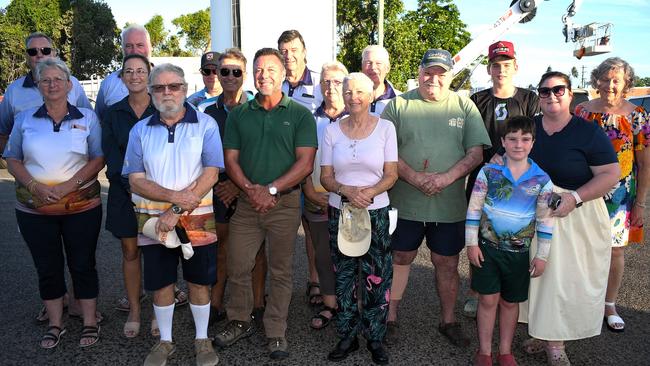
(568, 301)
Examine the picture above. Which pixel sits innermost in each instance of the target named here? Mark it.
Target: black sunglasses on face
(44, 51)
(557, 90)
(207, 72)
(235, 72)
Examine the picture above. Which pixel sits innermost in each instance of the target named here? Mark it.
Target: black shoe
(378, 353)
(258, 317)
(216, 316)
(345, 346)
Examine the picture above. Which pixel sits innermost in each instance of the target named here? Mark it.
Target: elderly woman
(316, 198)
(54, 152)
(358, 166)
(120, 216)
(566, 303)
(628, 128)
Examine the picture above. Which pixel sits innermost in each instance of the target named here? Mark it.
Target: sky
(538, 43)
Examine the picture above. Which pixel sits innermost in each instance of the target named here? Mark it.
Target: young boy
(508, 204)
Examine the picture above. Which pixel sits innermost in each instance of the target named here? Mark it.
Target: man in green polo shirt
(270, 143)
(440, 137)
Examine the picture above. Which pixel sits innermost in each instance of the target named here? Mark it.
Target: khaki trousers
(248, 229)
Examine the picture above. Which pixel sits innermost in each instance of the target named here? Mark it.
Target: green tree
(195, 28)
(172, 47)
(94, 38)
(157, 32)
(12, 49)
(639, 81)
(434, 24)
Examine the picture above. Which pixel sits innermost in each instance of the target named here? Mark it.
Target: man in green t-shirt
(440, 137)
(269, 143)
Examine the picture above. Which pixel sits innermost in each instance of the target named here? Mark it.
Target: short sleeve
(232, 139)
(133, 162)
(390, 147)
(389, 112)
(14, 148)
(306, 135)
(600, 151)
(640, 120)
(94, 135)
(6, 114)
(474, 132)
(212, 154)
(326, 146)
(82, 100)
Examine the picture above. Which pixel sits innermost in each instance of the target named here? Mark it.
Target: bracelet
(637, 203)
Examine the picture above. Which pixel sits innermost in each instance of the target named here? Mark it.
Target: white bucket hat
(354, 231)
(168, 239)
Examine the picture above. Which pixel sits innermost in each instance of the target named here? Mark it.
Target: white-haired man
(375, 63)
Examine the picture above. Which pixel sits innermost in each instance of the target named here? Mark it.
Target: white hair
(134, 28)
(381, 51)
(365, 83)
(333, 66)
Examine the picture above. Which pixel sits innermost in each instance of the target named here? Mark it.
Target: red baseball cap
(501, 48)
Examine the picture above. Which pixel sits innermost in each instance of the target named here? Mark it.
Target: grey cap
(437, 57)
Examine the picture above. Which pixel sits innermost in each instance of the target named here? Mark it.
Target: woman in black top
(120, 217)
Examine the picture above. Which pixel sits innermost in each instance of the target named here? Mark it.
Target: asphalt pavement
(421, 344)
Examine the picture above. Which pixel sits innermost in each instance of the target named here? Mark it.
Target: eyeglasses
(173, 87)
(235, 72)
(44, 51)
(48, 82)
(207, 72)
(333, 82)
(557, 90)
(131, 72)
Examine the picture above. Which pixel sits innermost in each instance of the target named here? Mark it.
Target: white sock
(164, 316)
(201, 315)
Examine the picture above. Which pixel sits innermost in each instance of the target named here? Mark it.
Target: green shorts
(502, 272)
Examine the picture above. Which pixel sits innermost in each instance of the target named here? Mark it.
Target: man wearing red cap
(496, 104)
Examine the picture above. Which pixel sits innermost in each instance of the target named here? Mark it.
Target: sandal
(614, 322)
(42, 314)
(454, 334)
(533, 346)
(131, 329)
(315, 299)
(51, 336)
(180, 297)
(325, 321)
(89, 332)
(556, 356)
(155, 331)
(123, 303)
(99, 317)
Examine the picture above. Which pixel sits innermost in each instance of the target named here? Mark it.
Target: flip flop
(123, 303)
(131, 329)
(91, 332)
(51, 336)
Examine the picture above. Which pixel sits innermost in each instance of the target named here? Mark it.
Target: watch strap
(576, 196)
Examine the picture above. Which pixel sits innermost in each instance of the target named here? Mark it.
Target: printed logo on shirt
(534, 190)
(500, 112)
(286, 123)
(457, 122)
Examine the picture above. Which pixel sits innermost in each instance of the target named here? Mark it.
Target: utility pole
(380, 23)
(583, 77)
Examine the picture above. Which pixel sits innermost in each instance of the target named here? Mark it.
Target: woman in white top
(358, 165)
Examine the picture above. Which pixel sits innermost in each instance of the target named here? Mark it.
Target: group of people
(545, 199)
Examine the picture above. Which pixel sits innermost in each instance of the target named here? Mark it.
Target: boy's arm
(475, 209)
(545, 222)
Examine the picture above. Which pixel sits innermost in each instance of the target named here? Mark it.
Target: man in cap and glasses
(208, 95)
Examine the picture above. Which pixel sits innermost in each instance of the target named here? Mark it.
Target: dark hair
(289, 35)
(267, 51)
(139, 57)
(524, 124)
(555, 74)
(233, 53)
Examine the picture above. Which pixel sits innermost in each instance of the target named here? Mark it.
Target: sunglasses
(44, 51)
(557, 90)
(235, 72)
(173, 87)
(207, 72)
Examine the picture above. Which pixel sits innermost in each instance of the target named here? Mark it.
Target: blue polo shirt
(111, 91)
(377, 106)
(307, 92)
(174, 157)
(53, 154)
(23, 94)
(201, 100)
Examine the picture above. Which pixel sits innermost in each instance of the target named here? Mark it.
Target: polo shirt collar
(29, 81)
(73, 113)
(306, 78)
(123, 105)
(190, 116)
(389, 91)
(284, 102)
(533, 171)
(320, 112)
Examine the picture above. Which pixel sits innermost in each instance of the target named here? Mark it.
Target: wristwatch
(79, 182)
(577, 198)
(177, 210)
(273, 191)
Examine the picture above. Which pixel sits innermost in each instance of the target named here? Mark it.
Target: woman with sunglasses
(231, 73)
(120, 216)
(208, 95)
(567, 302)
(54, 152)
(628, 128)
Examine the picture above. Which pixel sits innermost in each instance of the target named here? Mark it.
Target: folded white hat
(168, 239)
(354, 234)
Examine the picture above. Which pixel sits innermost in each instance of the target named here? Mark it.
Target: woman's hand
(475, 256)
(636, 215)
(567, 205)
(65, 188)
(359, 197)
(46, 194)
(537, 267)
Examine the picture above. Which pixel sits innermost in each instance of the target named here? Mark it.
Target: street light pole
(380, 23)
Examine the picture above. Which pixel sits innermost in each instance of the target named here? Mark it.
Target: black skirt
(120, 215)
